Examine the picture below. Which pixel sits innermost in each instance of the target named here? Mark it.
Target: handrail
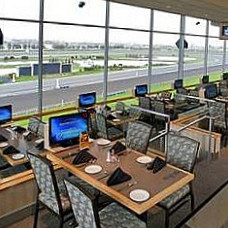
(167, 124)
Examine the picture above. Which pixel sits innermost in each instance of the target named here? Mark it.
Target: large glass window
(195, 26)
(165, 57)
(166, 22)
(73, 11)
(73, 63)
(18, 84)
(215, 57)
(23, 9)
(128, 59)
(194, 57)
(118, 16)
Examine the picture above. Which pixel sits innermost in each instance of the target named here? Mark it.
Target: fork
(128, 185)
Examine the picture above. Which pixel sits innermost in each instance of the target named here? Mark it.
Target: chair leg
(36, 214)
(192, 201)
(61, 221)
(166, 219)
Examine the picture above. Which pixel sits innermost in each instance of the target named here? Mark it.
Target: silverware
(130, 184)
(106, 174)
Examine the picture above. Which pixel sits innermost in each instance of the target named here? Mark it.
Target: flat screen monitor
(225, 76)
(224, 31)
(141, 90)
(5, 114)
(87, 100)
(178, 84)
(66, 129)
(211, 91)
(205, 79)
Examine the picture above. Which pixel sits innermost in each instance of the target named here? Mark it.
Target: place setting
(119, 176)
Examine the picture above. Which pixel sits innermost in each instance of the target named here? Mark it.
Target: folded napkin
(3, 139)
(118, 148)
(82, 157)
(157, 165)
(10, 150)
(111, 117)
(118, 176)
(19, 129)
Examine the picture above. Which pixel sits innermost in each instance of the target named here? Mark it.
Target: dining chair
(105, 131)
(218, 110)
(120, 106)
(182, 152)
(159, 106)
(50, 194)
(33, 124)
(223, 88)
(88, 216)
(145, 103)
(138, 136)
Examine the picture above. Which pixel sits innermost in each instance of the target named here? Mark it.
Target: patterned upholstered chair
(33, 124)
(120, 106)
(50, 193)
(87, 215)
(223, 88)
(182, 153)
(134, 113)
(159, 106)
(138, 136)
(145, 103)
(218, 110)
(106, 132)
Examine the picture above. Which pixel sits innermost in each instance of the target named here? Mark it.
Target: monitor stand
(69, 143)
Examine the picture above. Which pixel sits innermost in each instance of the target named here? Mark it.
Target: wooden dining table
(19, 142)
(158, 185)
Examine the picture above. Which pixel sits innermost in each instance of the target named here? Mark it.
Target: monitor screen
(66, 128)
(178, 84)
(5, 114)
(141, 90)
(225, 76)
(211, 91)
(205, 79)
(225, 30)
(87, 100)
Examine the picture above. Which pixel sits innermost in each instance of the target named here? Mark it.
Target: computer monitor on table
(141, 90)
(211, 91)
(66, 130)
(5, 114)
(205, 79)
(225, 76)
(178, 84)
(87, 100)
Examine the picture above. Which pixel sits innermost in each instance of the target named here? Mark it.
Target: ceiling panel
(215, 10)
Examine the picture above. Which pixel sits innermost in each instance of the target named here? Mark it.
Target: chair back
(102, 125)
(120, 106)
(46, 180)
(182, 152)
(144, 102)
(33, 124)
(159, 106)
(83, 205)
(138, 136)
(218, 110)
(134, 113)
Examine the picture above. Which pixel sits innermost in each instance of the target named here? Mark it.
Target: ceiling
(214, 10)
